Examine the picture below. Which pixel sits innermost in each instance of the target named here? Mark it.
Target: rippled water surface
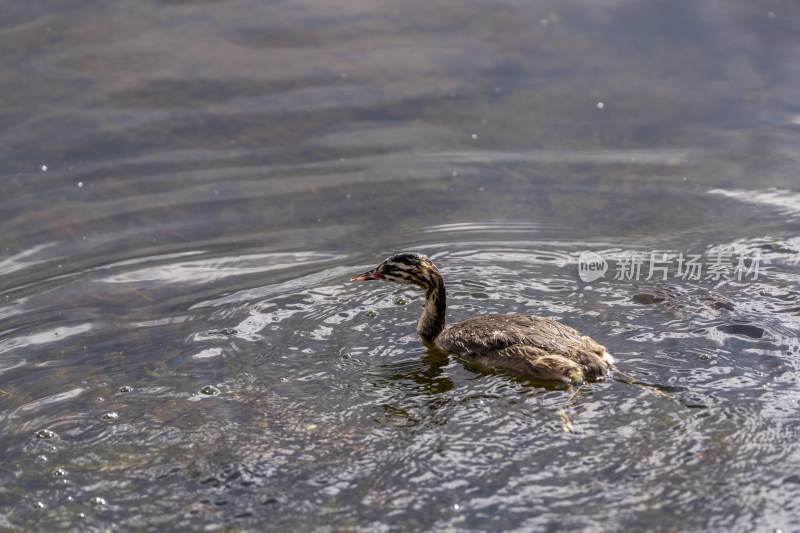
(186, 188)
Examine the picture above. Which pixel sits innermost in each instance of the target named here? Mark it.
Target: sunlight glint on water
(187, 188)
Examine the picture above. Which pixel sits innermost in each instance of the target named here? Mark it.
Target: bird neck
(431, 323)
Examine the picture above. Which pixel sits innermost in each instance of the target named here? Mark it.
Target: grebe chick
(533, 346)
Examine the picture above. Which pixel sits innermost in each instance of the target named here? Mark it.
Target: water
(187, 188)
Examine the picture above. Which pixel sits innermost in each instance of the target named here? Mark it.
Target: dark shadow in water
(646, 384)
(426, 378)
(485, 371)
(481, 371)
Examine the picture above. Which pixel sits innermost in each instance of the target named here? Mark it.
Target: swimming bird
(532, 346)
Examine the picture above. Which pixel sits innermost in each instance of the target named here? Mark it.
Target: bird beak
(366, 276)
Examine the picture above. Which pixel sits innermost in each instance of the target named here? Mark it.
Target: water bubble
(401, 301)
(59, 472)
(125, 388)
(97, 500)
(771, 14)
(474, 136)
(456, 506)
(544, 22)
(80, 184)
(284, 380)
(43, 168)
(600, 105)
(210, 390)
(44, 434)
(111, 416)
(38, 505)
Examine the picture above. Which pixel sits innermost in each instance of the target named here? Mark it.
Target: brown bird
(533, 346)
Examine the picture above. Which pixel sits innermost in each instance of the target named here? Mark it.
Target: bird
(531, 346)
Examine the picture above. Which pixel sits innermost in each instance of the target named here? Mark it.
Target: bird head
(409, 268)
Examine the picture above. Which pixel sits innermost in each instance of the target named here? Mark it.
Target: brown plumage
(529, 345)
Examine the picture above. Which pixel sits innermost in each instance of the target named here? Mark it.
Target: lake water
(186, 188)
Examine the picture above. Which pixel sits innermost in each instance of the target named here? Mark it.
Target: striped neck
(431, 323)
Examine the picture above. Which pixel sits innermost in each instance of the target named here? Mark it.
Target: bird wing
(490, 333)
(530, 345)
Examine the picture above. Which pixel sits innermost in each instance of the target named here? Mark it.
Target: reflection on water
(188, 186)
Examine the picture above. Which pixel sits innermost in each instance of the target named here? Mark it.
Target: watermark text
(635, 266)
